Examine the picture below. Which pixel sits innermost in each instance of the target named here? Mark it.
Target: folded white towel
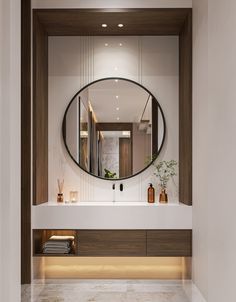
(56, 251)
(57, 244)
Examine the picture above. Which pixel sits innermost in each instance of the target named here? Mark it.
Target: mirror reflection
(113, 128)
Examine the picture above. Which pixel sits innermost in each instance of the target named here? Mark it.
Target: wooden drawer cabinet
(112, 243)
(169, 243)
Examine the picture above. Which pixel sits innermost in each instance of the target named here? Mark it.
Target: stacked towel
(58, 245)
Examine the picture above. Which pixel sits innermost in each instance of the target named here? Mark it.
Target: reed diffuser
(60, 197)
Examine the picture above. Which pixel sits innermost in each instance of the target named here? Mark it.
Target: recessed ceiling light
(117, 96)
(118, 118)
(116, 68)
(120, 44)
(106, 44)
(116, 80)
(126, 133)
(120, 25)
(117, 108)
(104, 25)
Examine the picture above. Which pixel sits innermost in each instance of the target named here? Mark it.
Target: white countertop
(109, 203)
(111, 215)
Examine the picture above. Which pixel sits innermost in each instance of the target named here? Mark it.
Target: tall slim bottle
(151, 194)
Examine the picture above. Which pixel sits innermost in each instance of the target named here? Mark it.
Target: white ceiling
(131, 101)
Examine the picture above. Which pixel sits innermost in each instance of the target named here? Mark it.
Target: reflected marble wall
(110, 154)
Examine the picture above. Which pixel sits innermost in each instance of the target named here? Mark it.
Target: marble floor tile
(105, 291)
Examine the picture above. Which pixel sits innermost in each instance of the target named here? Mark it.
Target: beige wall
(214, 93)
(222, 151)
(200, 145)
(9, 151)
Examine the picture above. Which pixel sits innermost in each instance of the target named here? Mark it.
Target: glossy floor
(110, 291)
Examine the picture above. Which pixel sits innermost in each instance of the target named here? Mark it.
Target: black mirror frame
(64, 124)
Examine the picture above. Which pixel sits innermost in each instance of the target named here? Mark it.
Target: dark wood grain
(85, 22)
(125, 157)
(40, 113)
(114, 126)
(112, 243)
(25, 141)
(185, 112)
(169, 243)
(154, 127)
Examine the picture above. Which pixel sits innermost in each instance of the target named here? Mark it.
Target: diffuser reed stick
(60, 190)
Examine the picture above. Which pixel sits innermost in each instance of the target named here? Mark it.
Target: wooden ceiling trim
(69, 22)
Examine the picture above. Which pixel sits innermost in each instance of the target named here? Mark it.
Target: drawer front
(169, 243)
(111, 243)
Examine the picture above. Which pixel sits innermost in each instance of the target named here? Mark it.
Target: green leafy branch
(164, 170)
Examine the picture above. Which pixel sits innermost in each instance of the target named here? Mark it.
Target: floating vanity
(116, 228)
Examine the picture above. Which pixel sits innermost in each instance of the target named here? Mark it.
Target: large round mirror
(113, 128)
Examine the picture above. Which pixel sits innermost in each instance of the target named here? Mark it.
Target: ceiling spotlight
(120, 25)
(118, 118)
(104, 25)
(116, 80)
(120, 44)
(126, 133)
(117, 96)
(116, 68)
(117, 108)
(106, 44)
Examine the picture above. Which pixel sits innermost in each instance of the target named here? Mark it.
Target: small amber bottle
(60, 197)
(151, 194)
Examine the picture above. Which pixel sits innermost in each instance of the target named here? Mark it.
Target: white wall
(76, 61)
(200, 144)
(222, 150)
(215, 123)
(10, 151)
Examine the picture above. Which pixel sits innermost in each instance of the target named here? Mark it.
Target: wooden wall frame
(84, 22)
(25, 141)
(67, 22)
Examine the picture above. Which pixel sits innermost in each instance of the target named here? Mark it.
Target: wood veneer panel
(85, 22)
(169, 243)
(40, 113)
(112, 243)
(25, 141)
(125, 157)
(114, 126)
(185, 112)
(154, 127)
